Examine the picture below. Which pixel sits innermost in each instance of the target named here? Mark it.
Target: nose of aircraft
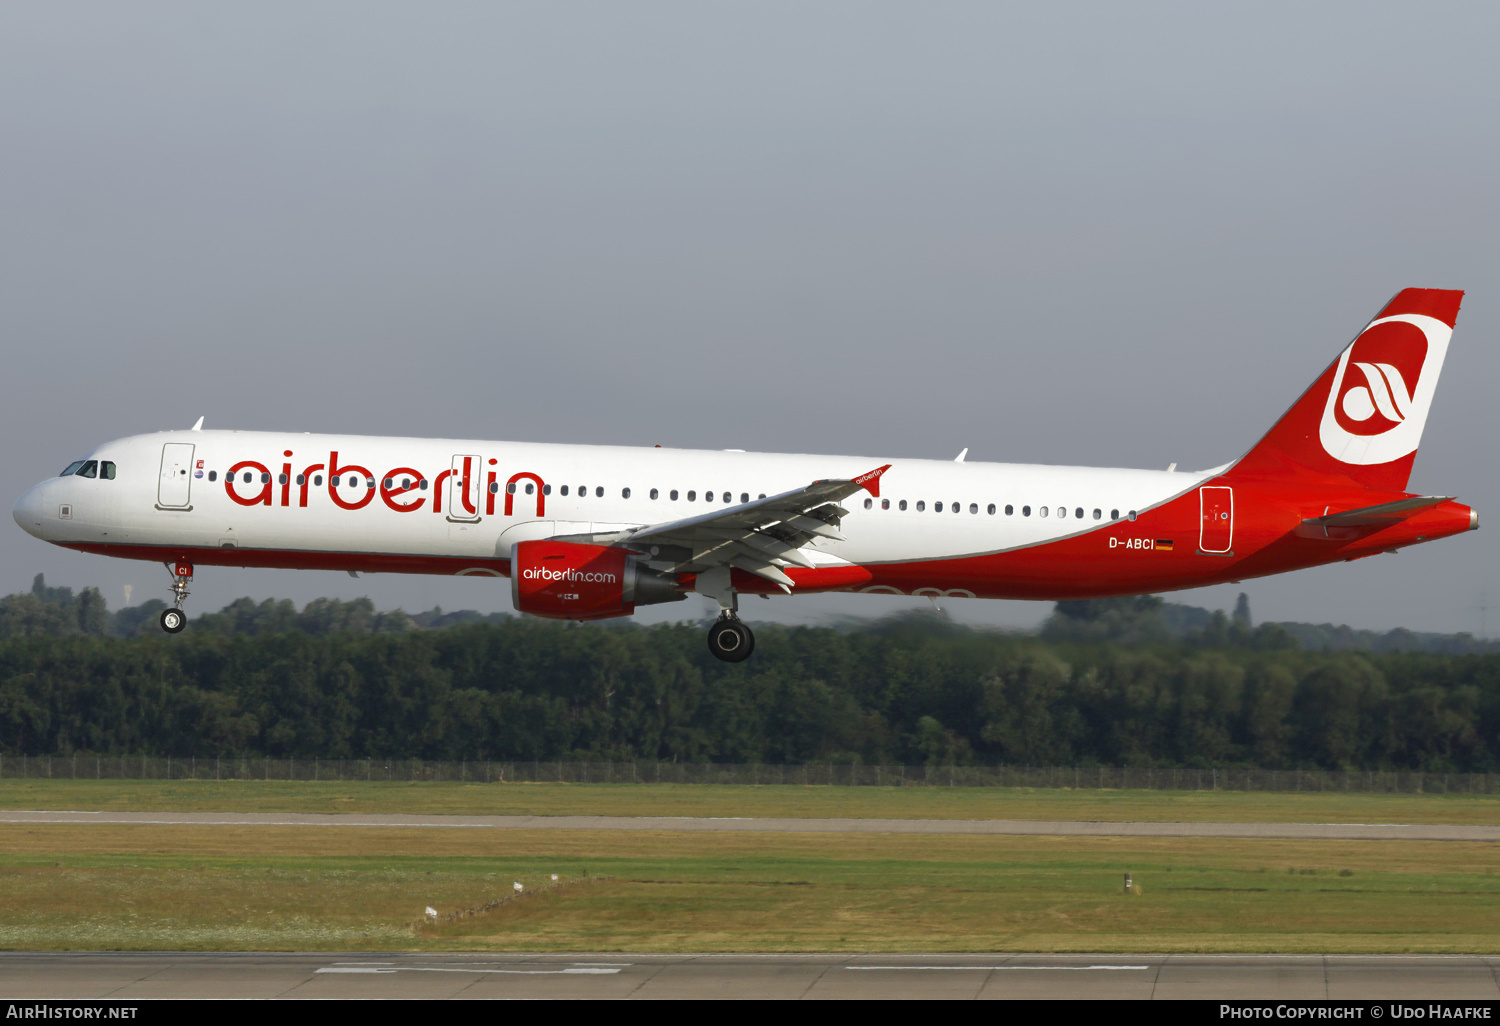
(28, 511)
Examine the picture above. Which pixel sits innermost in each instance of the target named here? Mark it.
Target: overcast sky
(1104, 234)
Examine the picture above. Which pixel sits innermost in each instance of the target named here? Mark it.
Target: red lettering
(389, 495)
(541, 499)
(464, 495)
(335, 472)
(262, 497)
(437, 490)
(307, 480)
(489, 497)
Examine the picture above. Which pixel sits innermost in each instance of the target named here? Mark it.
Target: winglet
(870, 481)
(198, 426)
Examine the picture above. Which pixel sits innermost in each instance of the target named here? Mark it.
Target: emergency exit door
(1217, 507)
(464, 486)
(174, 489)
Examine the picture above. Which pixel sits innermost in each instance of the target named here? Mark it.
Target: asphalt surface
(123, 976)
(1064, 828)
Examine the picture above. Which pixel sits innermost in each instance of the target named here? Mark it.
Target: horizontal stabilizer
(1378, 516)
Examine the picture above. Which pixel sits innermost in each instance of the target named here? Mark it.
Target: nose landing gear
(174, 619)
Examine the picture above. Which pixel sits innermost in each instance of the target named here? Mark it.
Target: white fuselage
(927, 509)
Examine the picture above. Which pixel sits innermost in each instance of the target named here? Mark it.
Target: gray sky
(1102, 234)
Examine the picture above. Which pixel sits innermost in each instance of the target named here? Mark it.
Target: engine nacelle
(571, 581)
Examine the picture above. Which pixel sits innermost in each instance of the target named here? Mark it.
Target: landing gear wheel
(173, 620)
(731, 641)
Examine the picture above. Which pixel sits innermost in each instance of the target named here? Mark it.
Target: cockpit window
(89, 469)
(73, 468)
(107, 470)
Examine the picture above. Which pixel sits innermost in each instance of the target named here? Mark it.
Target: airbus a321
(588, 532)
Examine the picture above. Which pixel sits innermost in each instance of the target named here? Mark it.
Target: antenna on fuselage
(198, 426)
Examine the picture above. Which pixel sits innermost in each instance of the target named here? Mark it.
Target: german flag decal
(1163, 545)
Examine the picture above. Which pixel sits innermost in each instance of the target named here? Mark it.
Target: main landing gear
(174, 620)
(729, 639)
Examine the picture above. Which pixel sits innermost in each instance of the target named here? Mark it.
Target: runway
(1063, 828)
(124, 976)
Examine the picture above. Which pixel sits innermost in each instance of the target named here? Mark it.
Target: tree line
(1098, 686)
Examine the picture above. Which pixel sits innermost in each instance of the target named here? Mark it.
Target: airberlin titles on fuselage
(396, 487)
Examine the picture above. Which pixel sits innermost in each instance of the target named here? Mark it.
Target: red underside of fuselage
(1159, 551)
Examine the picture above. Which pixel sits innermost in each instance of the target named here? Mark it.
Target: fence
(91, 767)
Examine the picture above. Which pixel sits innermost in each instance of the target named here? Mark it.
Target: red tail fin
(1363, 418)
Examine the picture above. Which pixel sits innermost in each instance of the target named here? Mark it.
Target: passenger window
(744, 496)
(546, 489)
(318, 480)
(1078, 513)
(672, 495)
(301, 478)
(921, 505)
(213, 475)
(708, 496)
(89, 469)
(73, 468)
(624, 493)
(1131, 514)
(992, 509)
(974, 507)
(1062, 512)
(728, 497)
(599, 492)
(885, 503)
(564, 489)
(762, 495)
(281, 479)
(654, 493)
(494, 487)
(1025, 511)
(957, 508)
(422, 484)
(692, 496)
(510, 489)
(937, 507)
(1098, 513)
(107, 470)
(1010, 511)
(869, 504)
(530, 488)
(369, 482)
(248, 475)
(901, 505)
(1041, 512)
(1114, 514)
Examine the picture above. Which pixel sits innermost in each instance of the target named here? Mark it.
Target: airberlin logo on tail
(1383, 388)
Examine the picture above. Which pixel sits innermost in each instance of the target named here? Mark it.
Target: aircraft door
(1216, 505)
(174, 489)
(465, 486)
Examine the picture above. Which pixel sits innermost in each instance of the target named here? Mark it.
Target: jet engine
(572, 581)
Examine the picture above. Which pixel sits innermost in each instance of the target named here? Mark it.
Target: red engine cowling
(573, 581)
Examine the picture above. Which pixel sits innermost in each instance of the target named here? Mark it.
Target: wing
(760, 537)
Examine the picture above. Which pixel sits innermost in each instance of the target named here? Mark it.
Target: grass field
(243, 888)
(731, 800)
(68, 887)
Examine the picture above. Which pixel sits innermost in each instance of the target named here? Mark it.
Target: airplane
(588, 532)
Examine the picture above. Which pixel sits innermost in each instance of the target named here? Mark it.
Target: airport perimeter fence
(91, 767)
